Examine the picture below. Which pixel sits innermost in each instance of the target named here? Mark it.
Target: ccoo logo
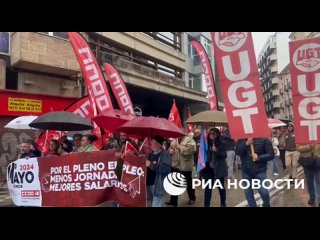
(230, 41)
(175, 184)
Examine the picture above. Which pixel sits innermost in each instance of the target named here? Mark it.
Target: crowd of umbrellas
(120, 121)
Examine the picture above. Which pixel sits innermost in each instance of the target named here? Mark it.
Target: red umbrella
(113, 119)
(150, 126)
(273, 123)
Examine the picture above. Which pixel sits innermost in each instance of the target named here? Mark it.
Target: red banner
(174, 115)
(241, 89)
(78, 179)
(83, 108)
(97, 89)
(119, 88)
(206, 66)
(305, 80)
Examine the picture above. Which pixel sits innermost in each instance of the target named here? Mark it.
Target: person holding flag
(158, 167)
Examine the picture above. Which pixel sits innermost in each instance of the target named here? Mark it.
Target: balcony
(273, 57)
(43, 53)
(275, 81)
(131, 67)
(276, 105)
(275, 92)
(274, 69)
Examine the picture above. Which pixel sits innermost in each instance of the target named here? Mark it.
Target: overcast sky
(259, 39)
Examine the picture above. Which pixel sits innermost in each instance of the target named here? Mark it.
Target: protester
(158, 167)
(182, 151)
(229, 145)
(87, 143)
(310, 161)
(291, 155)
(216, 166)
(76, 142)
(255, 166)
(25, 151)
(34, 148)
(54, 147)
(275, 142)
(281, 135)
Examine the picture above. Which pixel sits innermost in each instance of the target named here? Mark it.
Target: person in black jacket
(255, 167)
(216, 167)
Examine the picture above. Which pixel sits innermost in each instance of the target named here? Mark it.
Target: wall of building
(2, 74)
(36, 83)
(43, 53)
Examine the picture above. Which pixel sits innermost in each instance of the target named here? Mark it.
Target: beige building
(272, 62)
(151, 62)
(285, 86)
(41, 68)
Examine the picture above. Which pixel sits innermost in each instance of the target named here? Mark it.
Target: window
(171, 39)
(4, 43)
(62, 35)
(195, 81)
(11, 79)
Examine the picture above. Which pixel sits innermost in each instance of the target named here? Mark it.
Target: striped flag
(202, 157)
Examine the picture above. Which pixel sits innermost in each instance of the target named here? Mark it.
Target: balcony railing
(129, 65)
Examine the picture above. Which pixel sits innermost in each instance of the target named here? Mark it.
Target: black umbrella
(62, 121)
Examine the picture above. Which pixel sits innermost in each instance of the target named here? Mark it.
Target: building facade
(272, 60)
(42, 65)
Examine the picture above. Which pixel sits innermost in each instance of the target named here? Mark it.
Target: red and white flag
(97, 89)
(206, 66)
(174, 116)
(129, 148)
(96, 85)
(241, 89)
(119, 88)
(305, 80)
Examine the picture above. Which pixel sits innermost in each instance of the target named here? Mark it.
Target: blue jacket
(162, 169)
(262, 147)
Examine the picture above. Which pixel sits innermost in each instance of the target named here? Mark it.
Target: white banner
(23, 182)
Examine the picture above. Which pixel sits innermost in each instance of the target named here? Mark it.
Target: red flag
(96, 85)
(305, 80)
(129, 148)
(46, 137)
(206, 66)
(241, 89)
(174, 116)
(119, 88)
(190, 127)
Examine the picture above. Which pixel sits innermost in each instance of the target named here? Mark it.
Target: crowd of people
(181, 155)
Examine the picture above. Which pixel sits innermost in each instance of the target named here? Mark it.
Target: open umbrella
(209, 118)
(61, 121)
(21, 123)
(150, 126)
(273, 123)
(113, 119)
